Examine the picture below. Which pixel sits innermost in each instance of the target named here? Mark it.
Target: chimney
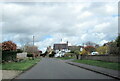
(67, 42)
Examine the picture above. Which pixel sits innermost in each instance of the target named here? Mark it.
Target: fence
(107, 58)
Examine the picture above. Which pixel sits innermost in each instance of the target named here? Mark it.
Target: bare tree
(89, 43)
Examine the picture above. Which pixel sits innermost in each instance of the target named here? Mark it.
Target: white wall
(22, 55)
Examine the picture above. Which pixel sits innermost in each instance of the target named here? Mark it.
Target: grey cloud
(60, 20)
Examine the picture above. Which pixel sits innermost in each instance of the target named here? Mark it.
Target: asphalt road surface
(50, 68)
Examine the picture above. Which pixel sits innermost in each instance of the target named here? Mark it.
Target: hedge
(29, 55)
(9, 56)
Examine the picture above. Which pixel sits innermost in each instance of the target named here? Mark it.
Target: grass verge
(0, 66)
(20, 65)
(109, 65)
(65, 58)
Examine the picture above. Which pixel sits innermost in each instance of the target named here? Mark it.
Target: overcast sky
(50, 22)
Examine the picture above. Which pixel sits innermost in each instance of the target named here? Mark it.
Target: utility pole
(33, 40)
(33, 47)
(61, 40)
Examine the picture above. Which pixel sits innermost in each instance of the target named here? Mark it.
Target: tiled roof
(60, 46)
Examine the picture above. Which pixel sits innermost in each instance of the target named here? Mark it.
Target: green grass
(65, 58)
(0, 66)
(19, 65)
(110, 65)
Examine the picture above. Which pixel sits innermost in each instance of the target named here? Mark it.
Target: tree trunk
(80, 57)
(77, 56)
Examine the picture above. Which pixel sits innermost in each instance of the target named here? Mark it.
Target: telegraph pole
(61, 40)
(33, 40)
(33, 47)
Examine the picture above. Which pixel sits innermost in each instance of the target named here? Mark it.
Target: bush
(84, 52)
(90, 49)
(9, 56)
(29, 55)
(77, 52)
(52, 55)
(69, 54)
(118, 40)
(102, 49)
(8, 46)
(72, 51)
(113, 49)
(19, 51)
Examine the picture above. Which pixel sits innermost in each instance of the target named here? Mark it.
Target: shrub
(83, 52)
(9, 56)
(77, 52)
(9, 51)
(8, 46)
(72, 51)
(113, 49)
(29, 55)
(118, 40)
(102, 49)
(52, 55)
(69, 54)
(19, 51)
(90, 49)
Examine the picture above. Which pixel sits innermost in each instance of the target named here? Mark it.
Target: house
(49, 50)
(107, 44)
(60, 49)
(73, 48)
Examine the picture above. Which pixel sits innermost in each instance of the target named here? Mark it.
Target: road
(51, 68)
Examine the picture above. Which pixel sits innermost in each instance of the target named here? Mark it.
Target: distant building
(97, 46)
(73, 48)
(107, 44)
(61, 48)
(49, 50)
(40, 51)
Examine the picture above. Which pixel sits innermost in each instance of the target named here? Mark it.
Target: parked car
(94, 53)
(60, 54)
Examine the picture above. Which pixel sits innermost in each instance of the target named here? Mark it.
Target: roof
(74, 47)
(60, 46)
